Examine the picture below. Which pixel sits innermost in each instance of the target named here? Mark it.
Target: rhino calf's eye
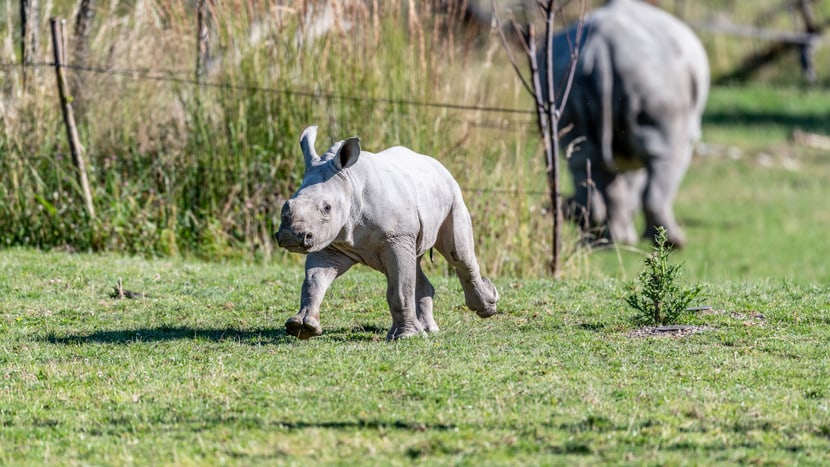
(326, 208)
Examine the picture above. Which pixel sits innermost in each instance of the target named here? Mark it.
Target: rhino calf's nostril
(308, 240)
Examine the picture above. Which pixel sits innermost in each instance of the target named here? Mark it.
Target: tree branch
(509, 52)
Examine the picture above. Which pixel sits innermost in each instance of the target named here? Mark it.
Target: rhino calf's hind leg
(424, 291)
(401, 268)
(455, 243)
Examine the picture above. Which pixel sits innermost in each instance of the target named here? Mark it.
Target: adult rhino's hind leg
(664, 177)
(588, 207)
(424, 291)
(618, 199)
(456, 243)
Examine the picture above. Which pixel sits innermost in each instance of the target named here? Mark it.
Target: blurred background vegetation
(182, 164)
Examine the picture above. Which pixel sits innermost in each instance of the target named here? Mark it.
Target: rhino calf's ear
(348, 153)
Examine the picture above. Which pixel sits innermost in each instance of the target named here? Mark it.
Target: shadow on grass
(359, 332)
(594, 327)
(712, 224)
(207, 423)
(364, 332)
(167, 333)
(369, 424)
(810, 121)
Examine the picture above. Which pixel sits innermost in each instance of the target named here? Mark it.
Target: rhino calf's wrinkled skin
(383, 210)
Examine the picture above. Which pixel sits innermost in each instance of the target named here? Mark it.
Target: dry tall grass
(179, 168)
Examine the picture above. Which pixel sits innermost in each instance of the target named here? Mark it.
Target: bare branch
(540, 104)
(522, 35)
(547, 112)
(574, 57)
(549, 54)
(509, 52)
(534, 67)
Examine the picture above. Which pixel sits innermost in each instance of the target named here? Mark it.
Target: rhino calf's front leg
(321, 270)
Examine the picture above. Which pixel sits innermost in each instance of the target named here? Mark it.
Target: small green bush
(658, 298)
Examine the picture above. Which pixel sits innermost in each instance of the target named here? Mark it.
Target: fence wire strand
(169, 76)
(173, 76)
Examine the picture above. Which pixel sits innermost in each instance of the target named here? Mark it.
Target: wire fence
(170, 76)
(174, 76)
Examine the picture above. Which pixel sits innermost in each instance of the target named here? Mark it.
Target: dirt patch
(749, 317)
(675, 331)
(745, 317)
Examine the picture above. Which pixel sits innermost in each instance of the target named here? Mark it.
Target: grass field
(200, 371)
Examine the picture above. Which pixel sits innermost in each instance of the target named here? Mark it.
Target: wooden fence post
(28, 36)
(80, 57)
(68, 117)
(202, 37)
(808, 48)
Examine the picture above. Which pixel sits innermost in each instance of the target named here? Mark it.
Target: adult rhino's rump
(639, 90)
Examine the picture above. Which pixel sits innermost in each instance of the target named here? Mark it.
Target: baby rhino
(383, 210)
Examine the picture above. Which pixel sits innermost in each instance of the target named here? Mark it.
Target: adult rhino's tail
(598, 63)
(695, 130)
(698, 66)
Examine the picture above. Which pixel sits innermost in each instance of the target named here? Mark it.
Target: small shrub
(659, 299)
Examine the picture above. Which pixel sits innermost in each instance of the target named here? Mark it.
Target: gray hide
(383, 210)
(639, 90)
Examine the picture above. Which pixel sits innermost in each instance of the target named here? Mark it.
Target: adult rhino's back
(638, 68)
(657, 58)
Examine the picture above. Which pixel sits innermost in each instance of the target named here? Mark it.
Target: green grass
(200, 371)
(752, 206)
(762, 116)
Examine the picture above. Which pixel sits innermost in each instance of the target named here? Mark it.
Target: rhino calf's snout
(287, 238)
(308, 239)
(291, 234)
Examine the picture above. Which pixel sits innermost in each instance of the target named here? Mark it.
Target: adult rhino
(639, 89)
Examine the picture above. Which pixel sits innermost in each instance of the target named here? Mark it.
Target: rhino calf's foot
(403, 332)
(424, 314)
(429, 324)
(303, 327)
(482, 297)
